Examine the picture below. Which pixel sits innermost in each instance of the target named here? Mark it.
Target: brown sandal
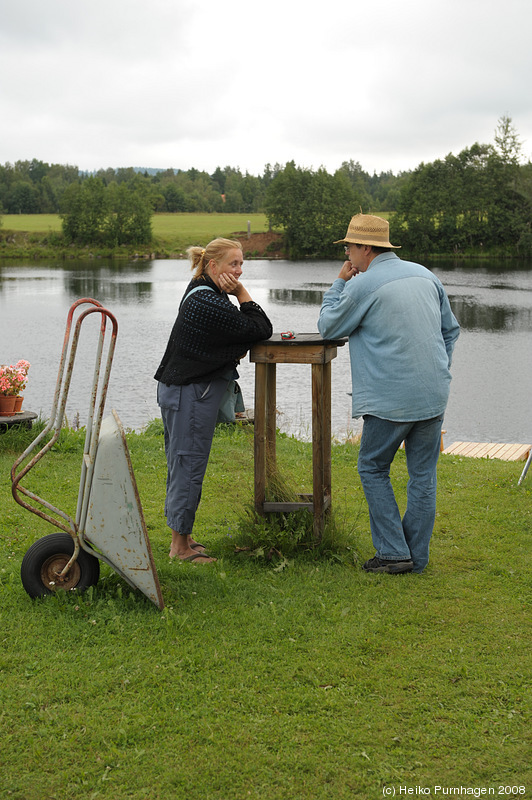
(197, 555)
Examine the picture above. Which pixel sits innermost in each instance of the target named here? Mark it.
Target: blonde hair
(215, 250)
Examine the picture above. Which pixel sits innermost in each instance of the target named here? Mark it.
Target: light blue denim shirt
(402, 334)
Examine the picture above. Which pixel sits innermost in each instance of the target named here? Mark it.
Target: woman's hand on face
(229, 284)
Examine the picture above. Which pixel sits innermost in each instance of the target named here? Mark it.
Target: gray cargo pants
(189, 418)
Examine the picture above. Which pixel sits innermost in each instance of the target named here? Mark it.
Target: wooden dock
(505, 452)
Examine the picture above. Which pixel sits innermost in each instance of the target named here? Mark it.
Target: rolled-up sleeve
(340, 314)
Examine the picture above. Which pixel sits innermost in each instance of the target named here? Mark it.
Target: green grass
(176, 232)
(203, 226)
(31, 223)
(295, 677)
(164, 225)
(35, 235)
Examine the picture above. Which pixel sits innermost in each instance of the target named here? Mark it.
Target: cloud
(176, 83)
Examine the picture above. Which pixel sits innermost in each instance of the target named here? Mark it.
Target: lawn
(172, 233)
(298, 676)
(31, 223)
(198, 227)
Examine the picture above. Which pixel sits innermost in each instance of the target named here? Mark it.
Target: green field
(286, 678)
(32, 223)
(198, 227)
(172, 233)
(203, 227)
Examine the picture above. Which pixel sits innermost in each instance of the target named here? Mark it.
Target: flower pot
(18, 403)
(7, 405)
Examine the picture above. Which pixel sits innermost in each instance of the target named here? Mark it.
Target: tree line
(477, 201)
(35, 187)
(113, 207)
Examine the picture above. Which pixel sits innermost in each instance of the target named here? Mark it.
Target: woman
(209, 337)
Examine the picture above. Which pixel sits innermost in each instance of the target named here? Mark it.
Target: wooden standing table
(306, 348)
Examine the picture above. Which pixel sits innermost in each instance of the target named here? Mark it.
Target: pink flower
(13, 377)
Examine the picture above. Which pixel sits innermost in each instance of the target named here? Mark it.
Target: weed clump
(285, 534)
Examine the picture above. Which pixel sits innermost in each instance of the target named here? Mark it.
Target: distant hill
(152, 170)
(142, 170)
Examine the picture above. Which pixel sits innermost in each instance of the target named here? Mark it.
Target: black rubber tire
(47, 557)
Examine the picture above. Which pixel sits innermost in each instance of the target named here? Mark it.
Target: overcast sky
(207, 83)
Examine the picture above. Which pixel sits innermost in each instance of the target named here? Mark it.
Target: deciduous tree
(313, 208)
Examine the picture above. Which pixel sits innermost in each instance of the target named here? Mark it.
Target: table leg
(327, 444)
(318, 449)
(259, 437)
(271, 420)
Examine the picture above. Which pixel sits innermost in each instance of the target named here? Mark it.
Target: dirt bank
(261, 245)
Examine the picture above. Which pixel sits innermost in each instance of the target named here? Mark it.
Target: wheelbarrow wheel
(45, 560)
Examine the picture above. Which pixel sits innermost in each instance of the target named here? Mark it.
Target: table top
(305, 348)
(20, 416)
(301, 339)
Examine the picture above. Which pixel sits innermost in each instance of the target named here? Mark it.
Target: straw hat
(367, 229)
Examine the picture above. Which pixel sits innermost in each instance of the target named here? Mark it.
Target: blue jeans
(395, 538)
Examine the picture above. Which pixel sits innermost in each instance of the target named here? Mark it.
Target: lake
(492, 375)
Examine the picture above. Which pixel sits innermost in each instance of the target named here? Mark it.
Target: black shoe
(393, 567)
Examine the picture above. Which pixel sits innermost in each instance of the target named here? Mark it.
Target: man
(402, 334)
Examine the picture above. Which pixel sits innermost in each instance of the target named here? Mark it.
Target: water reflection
(98, 286)
(475, 312)
(101, 265)
(475, 316)
(478, 265)
(310, 297)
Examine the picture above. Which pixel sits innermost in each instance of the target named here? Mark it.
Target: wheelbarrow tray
(115, 523)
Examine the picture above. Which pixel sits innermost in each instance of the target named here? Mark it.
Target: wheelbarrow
(108, 524)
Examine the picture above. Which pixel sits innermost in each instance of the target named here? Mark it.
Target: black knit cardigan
(210, 335)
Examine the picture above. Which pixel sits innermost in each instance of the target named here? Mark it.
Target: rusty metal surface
(66, 522)
(115, 522)
(115, 519)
